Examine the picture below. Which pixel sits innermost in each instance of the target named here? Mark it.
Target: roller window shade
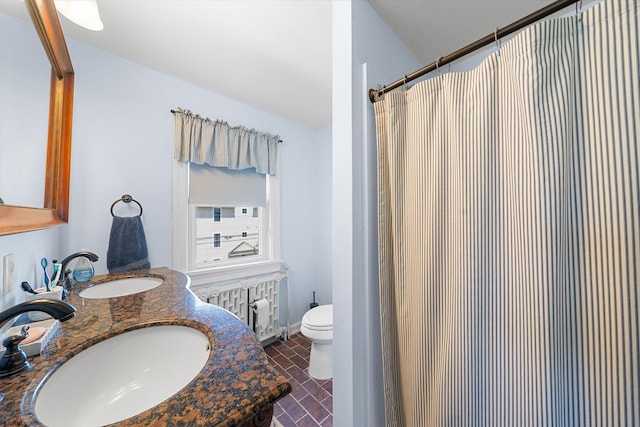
(209, 184)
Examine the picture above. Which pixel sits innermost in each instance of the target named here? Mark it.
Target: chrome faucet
(14, 359)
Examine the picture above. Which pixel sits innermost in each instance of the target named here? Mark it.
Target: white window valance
(213, 142)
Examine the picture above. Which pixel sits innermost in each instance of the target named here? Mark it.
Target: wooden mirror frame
(17, 219)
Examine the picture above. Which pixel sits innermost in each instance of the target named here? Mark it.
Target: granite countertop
(236, 384)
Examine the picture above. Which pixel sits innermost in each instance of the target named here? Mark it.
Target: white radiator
(237, 296)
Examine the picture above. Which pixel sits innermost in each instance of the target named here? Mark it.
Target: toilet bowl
(317, 325)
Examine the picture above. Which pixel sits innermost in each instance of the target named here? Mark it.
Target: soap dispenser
(83, 270)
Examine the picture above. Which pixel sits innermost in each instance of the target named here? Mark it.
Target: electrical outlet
(8, 273)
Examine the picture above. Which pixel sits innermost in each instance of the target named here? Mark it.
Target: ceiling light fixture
(82, 12)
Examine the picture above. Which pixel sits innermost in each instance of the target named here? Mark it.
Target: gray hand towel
(127, 245)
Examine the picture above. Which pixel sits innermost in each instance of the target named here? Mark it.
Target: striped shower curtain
(509, 228)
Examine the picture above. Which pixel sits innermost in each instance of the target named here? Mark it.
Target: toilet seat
(318, 328)
(319, 318)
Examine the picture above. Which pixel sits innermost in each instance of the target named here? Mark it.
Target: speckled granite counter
(236, 384)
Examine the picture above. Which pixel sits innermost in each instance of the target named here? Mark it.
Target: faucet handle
(17, 339)
(14, 359)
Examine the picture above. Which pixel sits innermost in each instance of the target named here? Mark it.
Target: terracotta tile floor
(311, 401)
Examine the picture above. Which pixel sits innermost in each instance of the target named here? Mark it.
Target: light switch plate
(8, 273)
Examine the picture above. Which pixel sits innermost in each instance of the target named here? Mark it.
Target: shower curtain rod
(554, 7)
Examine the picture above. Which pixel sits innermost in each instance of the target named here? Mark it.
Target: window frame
(217, 239)
(184, 232)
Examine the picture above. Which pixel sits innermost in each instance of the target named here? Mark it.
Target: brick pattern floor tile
(310, 402)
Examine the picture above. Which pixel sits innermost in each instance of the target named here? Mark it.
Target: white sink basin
(120, 288)
(122, 376)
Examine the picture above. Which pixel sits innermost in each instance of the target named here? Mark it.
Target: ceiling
(435, 28)
(276, 54)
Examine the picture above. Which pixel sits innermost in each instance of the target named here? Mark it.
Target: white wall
(366, 53)
(123, 143)
(307, 221)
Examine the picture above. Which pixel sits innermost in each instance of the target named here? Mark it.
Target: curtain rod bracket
(373, 95)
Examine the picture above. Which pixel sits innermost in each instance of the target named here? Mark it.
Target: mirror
(24, 107)
(16, 219)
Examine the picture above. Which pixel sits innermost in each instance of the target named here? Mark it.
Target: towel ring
(126, 198)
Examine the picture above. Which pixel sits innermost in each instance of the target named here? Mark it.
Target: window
(224, 219)
(229, 238)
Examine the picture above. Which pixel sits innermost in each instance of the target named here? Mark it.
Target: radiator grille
(237, 295)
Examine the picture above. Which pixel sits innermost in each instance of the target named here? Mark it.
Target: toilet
(317, 325)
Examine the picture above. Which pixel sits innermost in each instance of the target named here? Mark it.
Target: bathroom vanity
(236, 386)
